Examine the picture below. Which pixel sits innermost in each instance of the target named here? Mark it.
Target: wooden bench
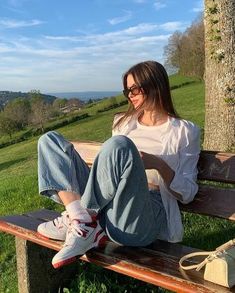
(156, 264)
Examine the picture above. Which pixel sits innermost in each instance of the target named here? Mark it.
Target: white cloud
(199, 6)
(64, 38)
(173, 26)
(69, 63)
(159, 5)
(126, 34)
(13, 23)
(120, 19)
(140, 29)
(111, 37)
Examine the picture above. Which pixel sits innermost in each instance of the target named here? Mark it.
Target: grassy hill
(92, 109)
(19, 193)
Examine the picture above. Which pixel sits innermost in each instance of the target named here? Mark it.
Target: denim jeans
(115, 187)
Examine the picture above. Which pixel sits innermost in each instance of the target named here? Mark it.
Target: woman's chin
(136, 106)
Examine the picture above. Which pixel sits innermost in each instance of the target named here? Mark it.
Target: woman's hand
(167, 174)
(150, 161)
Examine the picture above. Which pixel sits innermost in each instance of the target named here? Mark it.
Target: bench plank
(212, 165)
(213, 201)
(87, 150)
(159, 267)
(217, 166)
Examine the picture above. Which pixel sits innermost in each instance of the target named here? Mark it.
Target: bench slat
(157, 267)
(213, 201)
(43, 215)
(212, 165)
(87, 150)
(217, 166)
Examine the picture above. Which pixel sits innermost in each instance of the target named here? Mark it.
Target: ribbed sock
(77, 212)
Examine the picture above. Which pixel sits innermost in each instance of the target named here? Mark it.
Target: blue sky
(84, 45)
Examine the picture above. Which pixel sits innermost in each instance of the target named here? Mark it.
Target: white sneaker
(55, 229)
(80, 238)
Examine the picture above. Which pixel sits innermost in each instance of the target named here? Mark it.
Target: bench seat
(156, 264)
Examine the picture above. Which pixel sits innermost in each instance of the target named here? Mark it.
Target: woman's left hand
(167, 174)
(150, 161)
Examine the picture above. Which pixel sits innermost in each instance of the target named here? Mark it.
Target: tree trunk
(220, 75)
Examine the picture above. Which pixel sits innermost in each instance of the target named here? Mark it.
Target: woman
(131, 192)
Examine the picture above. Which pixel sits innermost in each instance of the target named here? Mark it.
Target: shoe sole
(101, 240)
(48, 237)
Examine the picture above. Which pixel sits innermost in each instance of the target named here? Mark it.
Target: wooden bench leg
(35, 271)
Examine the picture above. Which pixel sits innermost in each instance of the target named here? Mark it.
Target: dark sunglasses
(134, 90)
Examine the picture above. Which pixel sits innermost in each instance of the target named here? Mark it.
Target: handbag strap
(210, 255)
(193, 254)
(226, 245)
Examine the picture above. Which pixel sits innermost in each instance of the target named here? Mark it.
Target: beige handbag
(219, 264)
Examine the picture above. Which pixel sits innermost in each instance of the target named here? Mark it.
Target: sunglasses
(134, 90)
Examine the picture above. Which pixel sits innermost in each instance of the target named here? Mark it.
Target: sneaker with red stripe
(55, 229)
(80, 238)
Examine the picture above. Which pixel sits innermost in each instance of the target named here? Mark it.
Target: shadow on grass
(8, 164)
(211, 240)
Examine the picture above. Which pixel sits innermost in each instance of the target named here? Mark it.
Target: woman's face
(136, 95)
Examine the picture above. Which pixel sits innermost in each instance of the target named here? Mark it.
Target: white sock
(77, 212)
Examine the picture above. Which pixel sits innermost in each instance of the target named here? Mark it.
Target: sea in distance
(85, 96)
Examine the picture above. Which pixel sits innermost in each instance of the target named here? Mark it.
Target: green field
(18, 192)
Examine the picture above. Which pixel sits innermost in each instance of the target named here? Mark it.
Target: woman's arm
(182, 181)
(185, 179)
(167, 174)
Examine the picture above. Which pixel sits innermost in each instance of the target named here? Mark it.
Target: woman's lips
(134, 102)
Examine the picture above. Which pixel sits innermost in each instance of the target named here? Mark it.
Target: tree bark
(219, 75)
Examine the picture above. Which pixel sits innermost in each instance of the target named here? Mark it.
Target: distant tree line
(34, 111)
(185, 51)
(112, 104)
(7, 96)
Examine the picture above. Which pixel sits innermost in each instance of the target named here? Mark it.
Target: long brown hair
(152, 77)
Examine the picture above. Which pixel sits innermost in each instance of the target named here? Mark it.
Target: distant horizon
(88, 91)
(84, 94)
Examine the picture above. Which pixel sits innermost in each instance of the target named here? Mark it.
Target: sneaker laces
(75, 230)
(63, 219)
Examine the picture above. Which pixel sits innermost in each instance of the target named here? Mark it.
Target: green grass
(177, 80)
(189, 102)
(19, 193)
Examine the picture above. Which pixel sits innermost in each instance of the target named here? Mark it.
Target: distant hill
(86, 95)
(7, 96)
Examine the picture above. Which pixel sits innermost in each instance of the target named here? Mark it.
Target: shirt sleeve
(185, 179)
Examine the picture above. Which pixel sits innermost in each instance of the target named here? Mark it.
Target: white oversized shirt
(180, 148)
(148, 139)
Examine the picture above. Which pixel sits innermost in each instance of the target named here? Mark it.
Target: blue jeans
(116, 186)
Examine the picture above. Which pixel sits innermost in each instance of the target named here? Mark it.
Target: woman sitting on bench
(130, 193)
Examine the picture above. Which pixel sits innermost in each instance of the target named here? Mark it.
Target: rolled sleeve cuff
(184, 186)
